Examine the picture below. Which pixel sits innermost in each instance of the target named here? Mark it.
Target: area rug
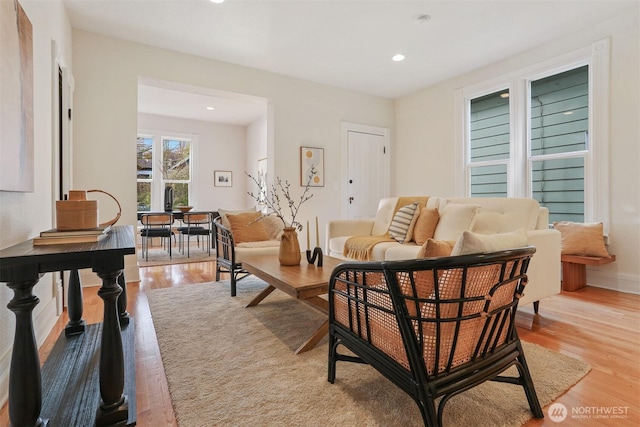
(160, 256)
(227, 365)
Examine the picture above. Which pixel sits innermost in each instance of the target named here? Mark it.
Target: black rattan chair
(226, 256)
(435, 327)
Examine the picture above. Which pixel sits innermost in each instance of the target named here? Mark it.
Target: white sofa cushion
(399, 252)
(474, 243)
(384, 215)
(454, 219)
(501, 215)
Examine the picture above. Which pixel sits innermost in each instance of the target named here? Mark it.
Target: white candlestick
(317, 234)
(308, 235)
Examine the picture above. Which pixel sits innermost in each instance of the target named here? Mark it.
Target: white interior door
(367, 170)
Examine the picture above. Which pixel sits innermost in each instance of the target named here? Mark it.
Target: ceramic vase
(289, 247)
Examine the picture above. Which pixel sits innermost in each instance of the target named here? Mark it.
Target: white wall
(24, 215)
(425, 123)
(217, 147)
(106, 71)
(257, 148)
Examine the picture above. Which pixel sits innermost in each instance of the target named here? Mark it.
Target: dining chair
(196, 224)
(156, 225)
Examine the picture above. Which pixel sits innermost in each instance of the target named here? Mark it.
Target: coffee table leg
(262, 295)
(314, 339)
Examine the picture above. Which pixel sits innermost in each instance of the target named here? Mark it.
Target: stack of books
(55, 237)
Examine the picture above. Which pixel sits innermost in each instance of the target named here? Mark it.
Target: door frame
(347, 127)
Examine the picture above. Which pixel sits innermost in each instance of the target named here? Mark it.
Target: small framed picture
(222, 178)
(312, 166)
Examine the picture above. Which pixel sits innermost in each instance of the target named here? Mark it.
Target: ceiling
(347, 44)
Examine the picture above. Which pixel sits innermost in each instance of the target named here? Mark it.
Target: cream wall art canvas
(16, 105)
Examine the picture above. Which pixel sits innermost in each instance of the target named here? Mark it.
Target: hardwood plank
(599, 326)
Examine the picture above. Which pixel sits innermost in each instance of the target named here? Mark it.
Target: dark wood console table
(21, 266)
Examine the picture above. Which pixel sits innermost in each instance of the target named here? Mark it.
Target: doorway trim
(347, 127)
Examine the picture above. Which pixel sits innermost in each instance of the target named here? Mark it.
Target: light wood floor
(595, 325)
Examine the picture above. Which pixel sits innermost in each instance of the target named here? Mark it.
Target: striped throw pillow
(402, 223)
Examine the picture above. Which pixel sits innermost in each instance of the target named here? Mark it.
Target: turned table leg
(123, 314)
(76, 324)
(114, 407)
(25, 383)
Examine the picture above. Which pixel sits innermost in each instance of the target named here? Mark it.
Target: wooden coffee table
(305, 282)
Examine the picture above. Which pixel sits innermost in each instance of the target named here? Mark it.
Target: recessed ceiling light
(504, 95)
(210, 108)
(216, 1)
(399, 57)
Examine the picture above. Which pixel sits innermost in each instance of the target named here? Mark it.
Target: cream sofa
(493, 215)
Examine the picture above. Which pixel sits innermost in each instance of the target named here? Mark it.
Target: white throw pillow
(454, 219)
(403, 222)
(474, 243)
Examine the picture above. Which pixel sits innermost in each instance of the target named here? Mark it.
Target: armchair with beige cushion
(240, 234)
(450, 226)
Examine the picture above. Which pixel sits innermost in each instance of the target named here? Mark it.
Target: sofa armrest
(348, 227)
(545, 268)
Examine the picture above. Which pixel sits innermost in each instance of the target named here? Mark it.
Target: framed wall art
(312, 166)
(222, 179)
(17, 171)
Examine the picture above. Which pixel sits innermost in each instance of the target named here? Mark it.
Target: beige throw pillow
(425, 225)
(436, 248)
(403, 221)
(224, 212)
(273, 226)
(474, 243)
(454, 219)
(245, 227)
(581, 239)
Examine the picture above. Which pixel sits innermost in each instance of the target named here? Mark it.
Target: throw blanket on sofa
(360, 247)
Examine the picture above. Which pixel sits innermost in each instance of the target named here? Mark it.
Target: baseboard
(626, 283)
(45, 320)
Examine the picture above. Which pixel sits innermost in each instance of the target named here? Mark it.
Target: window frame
(157, 181)
(596, 187)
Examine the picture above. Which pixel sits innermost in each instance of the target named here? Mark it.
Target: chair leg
(333, 344)
(233, 284)
(527, 384)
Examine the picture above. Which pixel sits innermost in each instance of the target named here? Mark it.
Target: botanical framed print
(222, 178)
(312, 166)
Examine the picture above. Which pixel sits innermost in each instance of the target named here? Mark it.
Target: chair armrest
(225, 245)
(348, 227)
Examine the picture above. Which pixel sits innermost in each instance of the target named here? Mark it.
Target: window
(145, 172)
(163, 162)
(541, 133)
(559, 127)
(490, 144)
(176, 168)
